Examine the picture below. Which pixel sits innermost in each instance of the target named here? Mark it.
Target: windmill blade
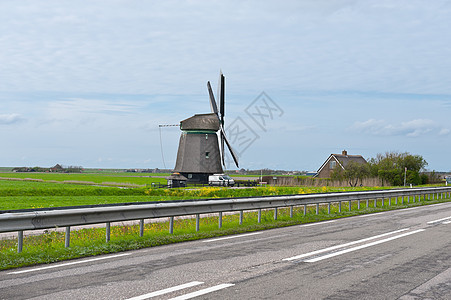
(213, 106)
(222, 149)
(221, 96)
(234, 156)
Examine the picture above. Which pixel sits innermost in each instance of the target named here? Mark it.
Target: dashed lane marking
(204, 291)
(362, 246)
(232, 237)
(439, 220)
(343, 245)
(166, 291)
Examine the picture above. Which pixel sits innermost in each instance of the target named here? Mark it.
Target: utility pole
(405, 175)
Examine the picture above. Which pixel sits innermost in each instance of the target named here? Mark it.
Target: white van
(221, 180)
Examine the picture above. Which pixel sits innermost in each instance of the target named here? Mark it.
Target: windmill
(200, 154)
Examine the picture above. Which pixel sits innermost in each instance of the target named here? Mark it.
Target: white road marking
(204, 291)
(399, 211)
(447, 222)
(166, 291)
(362, 246)
(343, 245)
(317, 223)
(69, 264)
(439, 220)
(373, 214)
(232, 237)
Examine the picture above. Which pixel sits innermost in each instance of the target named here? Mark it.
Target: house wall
(326, 171)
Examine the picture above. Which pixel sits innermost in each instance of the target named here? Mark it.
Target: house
(341, 160)
(57, 168)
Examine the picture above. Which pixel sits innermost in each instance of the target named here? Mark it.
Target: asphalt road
(403, 254)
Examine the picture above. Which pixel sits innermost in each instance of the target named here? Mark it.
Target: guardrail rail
(23, 220)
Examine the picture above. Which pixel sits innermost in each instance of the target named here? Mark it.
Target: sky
(88, 83)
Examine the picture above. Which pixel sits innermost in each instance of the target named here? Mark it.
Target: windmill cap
(201, 122)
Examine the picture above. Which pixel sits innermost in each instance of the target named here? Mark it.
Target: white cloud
(444, 131)
(153, 47)
(8, 119)
(413, 128)
(92, 106)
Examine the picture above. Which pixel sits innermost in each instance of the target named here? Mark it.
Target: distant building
(341, 160)
(57, 168)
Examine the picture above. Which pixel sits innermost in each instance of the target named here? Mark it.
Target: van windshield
(227, 177)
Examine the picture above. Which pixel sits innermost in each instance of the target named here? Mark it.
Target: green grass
(36, 194)
(138, 179)
(45, 190)
(49, 247)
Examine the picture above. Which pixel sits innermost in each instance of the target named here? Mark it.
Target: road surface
(403, 254)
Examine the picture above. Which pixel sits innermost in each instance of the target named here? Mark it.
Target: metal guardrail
(78, 216)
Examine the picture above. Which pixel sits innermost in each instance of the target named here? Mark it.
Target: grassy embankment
(91, 241)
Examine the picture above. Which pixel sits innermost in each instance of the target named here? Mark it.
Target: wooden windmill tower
(200, 152)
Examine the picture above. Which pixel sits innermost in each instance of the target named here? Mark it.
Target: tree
(393, 167)
(353, 173)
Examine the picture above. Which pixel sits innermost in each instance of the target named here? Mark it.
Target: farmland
(113, 179)
(44, 190)
(47, 190)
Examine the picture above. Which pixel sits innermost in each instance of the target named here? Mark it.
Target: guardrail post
(350, 205)
(396, 200)
(358, 204)
(67, 238)
(141, 227)
(107, 231)
(171, 225)
(383, 201)
(317, 208)
(241, 217)
(305, 209)
(375, 202)
(328, 208)
(259, 215)
(19, 241)
(275, 213)
(389, 201)
(339, 206)
(291, 211)
(402, 200)
(197, 221)
(367, 203)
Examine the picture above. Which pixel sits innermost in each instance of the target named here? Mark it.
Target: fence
(21, 221)
(318, 182)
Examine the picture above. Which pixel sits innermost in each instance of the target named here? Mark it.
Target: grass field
(118, 179)
(30, 194)
(46, 190)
